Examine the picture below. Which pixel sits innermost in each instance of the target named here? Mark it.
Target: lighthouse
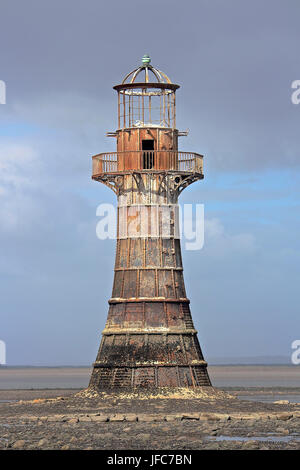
(149, 340)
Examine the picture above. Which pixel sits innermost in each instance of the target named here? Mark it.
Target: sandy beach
(252, 407)
(211, 420)
(40, 408)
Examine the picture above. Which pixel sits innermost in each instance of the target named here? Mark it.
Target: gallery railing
(115, 162)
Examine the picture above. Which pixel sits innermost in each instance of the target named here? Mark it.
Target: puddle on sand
(270, 398)
(269, 438)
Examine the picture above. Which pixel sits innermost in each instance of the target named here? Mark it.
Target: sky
(235, 62)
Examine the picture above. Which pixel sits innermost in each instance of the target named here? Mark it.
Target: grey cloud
(235, 61)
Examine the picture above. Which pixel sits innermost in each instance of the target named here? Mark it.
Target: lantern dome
(146, 73)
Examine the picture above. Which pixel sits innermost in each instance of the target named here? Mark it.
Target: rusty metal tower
(149, 338)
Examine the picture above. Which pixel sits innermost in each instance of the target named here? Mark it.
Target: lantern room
(146, 98)
(147, 136)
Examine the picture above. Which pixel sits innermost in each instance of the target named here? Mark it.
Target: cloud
(235, 78)
(18, 178)
(16, 160)
(219, 243)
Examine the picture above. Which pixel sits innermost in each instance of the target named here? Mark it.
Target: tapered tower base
(112, 378)
(150, 357)
(149, 340)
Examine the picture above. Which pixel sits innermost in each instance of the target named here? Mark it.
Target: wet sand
(255, 376)
(78, 377)
(208, 421)
(40, 409)
(44, 377)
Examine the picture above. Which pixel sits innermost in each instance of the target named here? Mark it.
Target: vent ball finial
(146, 59)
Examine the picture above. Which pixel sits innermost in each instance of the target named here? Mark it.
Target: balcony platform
(154, 161)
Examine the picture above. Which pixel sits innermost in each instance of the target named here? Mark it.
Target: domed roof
(142, 73)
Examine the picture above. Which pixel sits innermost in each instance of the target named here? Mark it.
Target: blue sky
(235, 62)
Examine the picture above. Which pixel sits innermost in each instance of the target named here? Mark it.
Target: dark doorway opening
(148, 154)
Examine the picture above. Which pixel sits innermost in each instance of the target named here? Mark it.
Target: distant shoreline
(210, 364)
